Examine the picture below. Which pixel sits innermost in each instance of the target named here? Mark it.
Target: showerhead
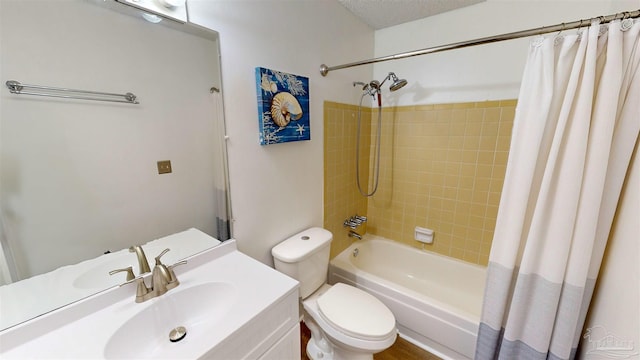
(397, 83)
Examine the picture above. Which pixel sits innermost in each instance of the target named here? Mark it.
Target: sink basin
(196, 308)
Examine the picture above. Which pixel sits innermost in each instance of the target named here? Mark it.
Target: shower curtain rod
(324, 69)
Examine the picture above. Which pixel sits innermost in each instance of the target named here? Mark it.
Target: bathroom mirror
(81, 178)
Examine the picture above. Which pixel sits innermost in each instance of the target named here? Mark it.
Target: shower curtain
(222, 208)
(8, 269)
(576, 125)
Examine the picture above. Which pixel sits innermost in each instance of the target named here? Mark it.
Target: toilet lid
(356, 313)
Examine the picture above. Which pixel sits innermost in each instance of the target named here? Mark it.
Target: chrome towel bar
(16, 87)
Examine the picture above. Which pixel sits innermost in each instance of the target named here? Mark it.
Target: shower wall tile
(441, 167)
(341, 196)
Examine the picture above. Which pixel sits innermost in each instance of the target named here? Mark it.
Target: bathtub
(436, 299)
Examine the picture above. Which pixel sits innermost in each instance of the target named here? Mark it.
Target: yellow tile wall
(442, 167)
(341, 197)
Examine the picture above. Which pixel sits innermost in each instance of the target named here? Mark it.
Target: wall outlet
(164, 167)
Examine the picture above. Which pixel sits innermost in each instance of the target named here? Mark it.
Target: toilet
(345, 322)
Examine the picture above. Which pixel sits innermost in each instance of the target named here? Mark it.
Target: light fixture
(158, 10)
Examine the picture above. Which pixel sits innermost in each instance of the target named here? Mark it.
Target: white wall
(276, 190)
(485, 72)
(80, 177)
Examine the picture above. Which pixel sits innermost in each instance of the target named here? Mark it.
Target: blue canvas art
(283, 106)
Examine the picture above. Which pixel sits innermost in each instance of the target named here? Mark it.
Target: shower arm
(387, 78)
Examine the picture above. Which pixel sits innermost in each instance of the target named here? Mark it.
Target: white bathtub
(436, 299)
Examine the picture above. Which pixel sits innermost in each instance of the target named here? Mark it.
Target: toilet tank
(305, 257)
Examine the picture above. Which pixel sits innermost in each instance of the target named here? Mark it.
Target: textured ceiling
(380, 14)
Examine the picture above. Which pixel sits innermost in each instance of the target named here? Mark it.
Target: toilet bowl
(345, 322)
(357, 324)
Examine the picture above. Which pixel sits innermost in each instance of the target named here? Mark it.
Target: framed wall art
(283, 106)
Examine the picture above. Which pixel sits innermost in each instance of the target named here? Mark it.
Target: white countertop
(42, 293)
(82, 330)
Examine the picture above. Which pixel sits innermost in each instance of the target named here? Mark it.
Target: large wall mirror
(79, 179)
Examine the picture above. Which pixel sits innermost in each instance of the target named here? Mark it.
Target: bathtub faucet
(360, 219)
(355, 235)
(354, 221)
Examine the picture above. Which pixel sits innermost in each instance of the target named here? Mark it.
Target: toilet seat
(356, 313)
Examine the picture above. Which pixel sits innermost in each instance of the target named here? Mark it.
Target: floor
(400, 350)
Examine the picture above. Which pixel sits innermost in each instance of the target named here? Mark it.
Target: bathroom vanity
(19, 301)
(231, 306)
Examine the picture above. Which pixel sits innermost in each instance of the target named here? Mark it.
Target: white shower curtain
(220, 182)
(576, 125)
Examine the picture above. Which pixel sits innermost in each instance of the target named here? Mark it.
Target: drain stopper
(177, 334)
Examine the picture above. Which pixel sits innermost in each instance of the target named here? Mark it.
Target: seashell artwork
(268, 85)
(283, 106)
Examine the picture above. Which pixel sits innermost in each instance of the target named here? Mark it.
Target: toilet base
(320, 347)
(315, 353)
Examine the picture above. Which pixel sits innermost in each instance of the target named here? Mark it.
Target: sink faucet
(163, 279)
(142, 259)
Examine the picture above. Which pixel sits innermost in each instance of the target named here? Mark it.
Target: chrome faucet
(353, 223)
(163, 279)
(142, 259)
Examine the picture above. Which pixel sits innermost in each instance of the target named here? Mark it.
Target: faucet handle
(143, 293)
(362, 219)
(350, 223)
(170, 267)
(173, 279)
(128, 270)
(158, 262)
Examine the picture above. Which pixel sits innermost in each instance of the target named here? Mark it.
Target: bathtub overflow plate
(355, 252)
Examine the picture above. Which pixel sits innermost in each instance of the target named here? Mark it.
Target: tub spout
(355, 235)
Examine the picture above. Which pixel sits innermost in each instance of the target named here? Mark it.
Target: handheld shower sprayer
(360, 83)
(374, 87)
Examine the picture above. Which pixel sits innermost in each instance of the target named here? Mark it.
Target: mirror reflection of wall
(79, 178)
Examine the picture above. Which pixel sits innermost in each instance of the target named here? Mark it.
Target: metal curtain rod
(16, 87)
(324, 69)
